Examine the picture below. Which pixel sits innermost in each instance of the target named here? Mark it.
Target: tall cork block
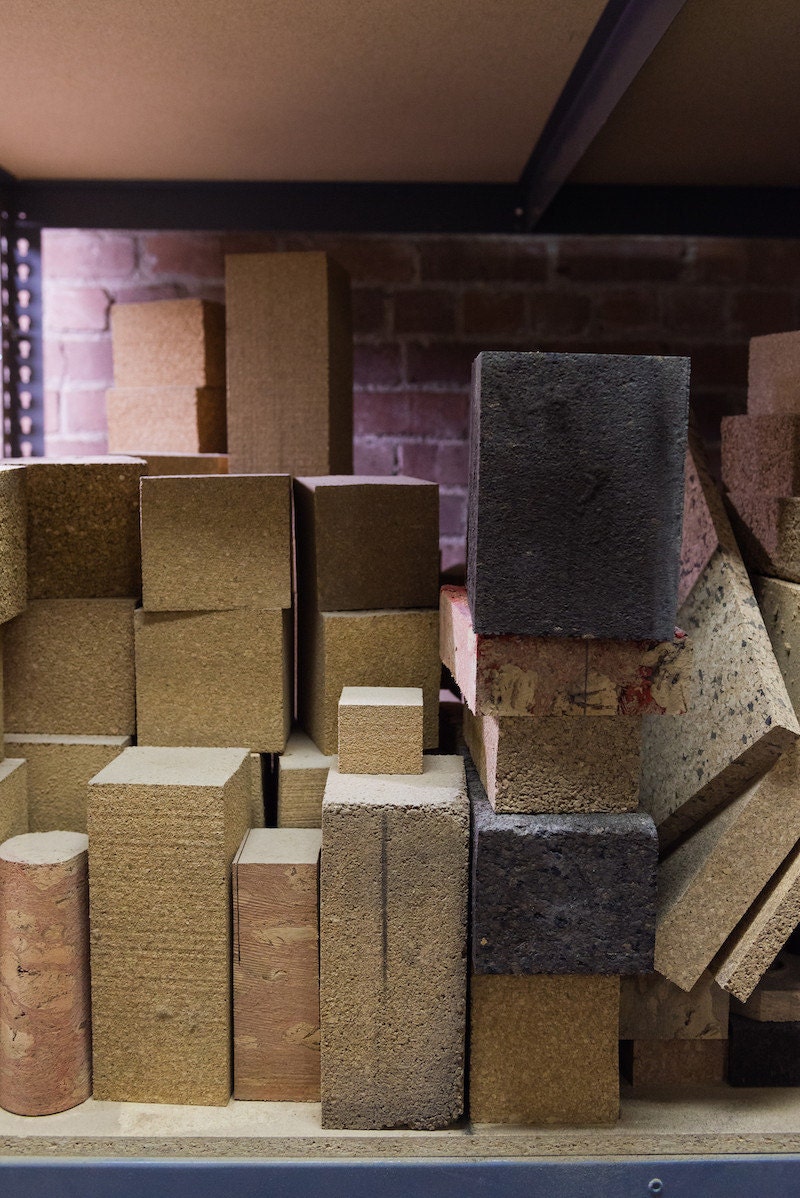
(68, 668)
(169, 343)
(761, 454)
(289, 364)
(59, 771)
(366, 542)
(559, 446)
(540, 764)
(365, 648)
(776, 998)
(678, 1063)
(45, 1017)
(302, 775)
(768, 530)
(652, 1008)
(276, 1035)
(393, 928)
(171, 419)
(164, 827)
(547, 676)
(13, 798)
(380, 730)
(215, 542)
(214, 678)
(773, 375)
(13, 542)
(184, 463)
(257, 819)
(543, 1050)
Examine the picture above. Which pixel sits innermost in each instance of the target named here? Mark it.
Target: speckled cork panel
(13, 797)
(776, 998)
(302, 774)
(679, 1062)
(393, 932)
(169, 419)
(773, 373)
(761, 454)
(59, 771)
(768, 530)
(380, 730)
(169, 343)
(164, 826)
(652, 1008)
(13, 542)
(543, 1050)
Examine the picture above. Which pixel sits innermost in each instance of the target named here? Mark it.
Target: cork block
(68, 668)
(164, 827)
(184, 463)
(565, 894)
(681, 1063)
(13, 542)
(701, 529)
(216, 541)
(13, 797)
(59, 771)
(554, 763)
(276, 1053)
(367, 542)
(256, 792)
(652, 1008)
(773, 374)
(380, 730)
(763, 1054)
(289, 364)
(214, 678)
(547, 676)
(543, 1050)
(189, 420)
(768, 531)
(761, 454)
(779, 602)
(559, 443)
(776, 998)
(393, 928)
(169, 343)
(302, 775)
(365, 648)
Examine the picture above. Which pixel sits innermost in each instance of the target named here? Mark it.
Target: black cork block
(763, 1054)
(561, 893)
(576, 494)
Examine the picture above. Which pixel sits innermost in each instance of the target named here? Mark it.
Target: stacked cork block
(13, 600)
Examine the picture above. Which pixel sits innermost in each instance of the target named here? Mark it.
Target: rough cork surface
(289, 364)
(545, 676)
(366, 542)
(556, 764)
(276, 1053)
(763, 1054)
(257, 816)
(164, 827)
(302, 775)
(59, 771)
(214, 678)
(773, 374)
(68, 668)
(184, 463)
(167, 419)
(561, 893)
(13, 542)
(45, 1018)
(380, 730)
(776, 998)
(768, 530)
(13, 798)
(652, 1008)
(575, 497)
(169, 343)
(779, 602)
(393, 933)
(543, 1050)
(216, 542)
(761, 454)
(704, 518)
(678, 1062)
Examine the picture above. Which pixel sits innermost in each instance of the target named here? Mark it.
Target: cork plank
(776, 998)
(302, 775)
(168, 343)
(179, 420)
(59, 771)
(380, 730)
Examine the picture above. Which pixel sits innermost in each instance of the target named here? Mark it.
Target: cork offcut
(380, 730)
(168, 343)
(302, 774)
(13, 797)
(169, 419)
(683, 1063)
(59, 770)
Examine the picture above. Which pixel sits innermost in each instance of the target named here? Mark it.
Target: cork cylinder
(45, 1027)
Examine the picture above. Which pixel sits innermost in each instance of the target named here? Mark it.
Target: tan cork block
(768, 531)
(365, 648)
(380, 730)
(213, 542)
(543, 1049)
(302, 775)
(169, 343)
(45, 1017)
(393, 927)
(256, 792)
(548, 676)
(13, 797)
(289, 364)
(780, 606)
(761, 454)
(366, 542)
(712, 879)
(773, 374)
(59, 770)
(13, 542)
(276, 1036)
(679, 1062)
(180, 420)
(214, 678)
(164, 827)
(68, 668)
(652, 1008)
(185, 463)
(776, 998)
(537, 764)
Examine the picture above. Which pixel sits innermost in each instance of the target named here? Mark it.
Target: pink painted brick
(140, 293)
(76, 309)
(720, 260)
(494, 314)
(621, 308)
(443, 363)
(468, 259)
(373, 457)
(772, 261)
(251, 243)
(366, 259)
(758, 311)
(70, 253)
(88, 361)
(442, 414)
(423, 310)
(446, 464)
(193, 255)
(52, 412)
(453, 553)
(88, 446)
(84, 412)
(369, 311)
(377, 365)
(604, 259)
(452, 514)
(558, 313)
(696, 311)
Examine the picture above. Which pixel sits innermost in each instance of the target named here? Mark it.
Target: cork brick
(13, 797)
(761, 454)
(652, 1008)
(773, 374)
(59, 771)
(768, 531)
(186, 420)
(380, 730)
(302, 775)
(169, 343)
(776, 998)
(663, 1063)
(13, 542)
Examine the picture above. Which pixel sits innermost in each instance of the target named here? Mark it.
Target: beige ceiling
(426, 90)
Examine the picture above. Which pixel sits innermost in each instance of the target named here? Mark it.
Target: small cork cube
(13, 797)
(169, 343)
(59, 771)
(302, 774)
(380, 730)
(172, 419)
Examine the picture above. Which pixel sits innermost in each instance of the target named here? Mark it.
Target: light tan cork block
(365, 542)
(679, 1062)
(13, 542)
(380, 730)
(776, 998)
(365, 648)
(68, 668)
(276, 1053)
(215, 542)
(773, 374)
(768, 531)
(537, 764)
(13, 798)
(164, 827)
(59, 770)
(179, 420)
(544, 1049)
(289, 364)
(302, 774)
(547, 676)
(393, 928)
(652, 1008)
(171, 464)
(214, 678)
(45, 1019)
(761, 454)
(256, 792)
(168, 343)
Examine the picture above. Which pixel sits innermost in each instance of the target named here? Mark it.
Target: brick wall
(423, 307)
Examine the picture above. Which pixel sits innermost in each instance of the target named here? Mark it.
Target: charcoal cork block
(576, 494)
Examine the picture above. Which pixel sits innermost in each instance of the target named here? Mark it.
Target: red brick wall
(423, 307)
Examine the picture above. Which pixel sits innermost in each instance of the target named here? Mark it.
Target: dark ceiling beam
(623, 39)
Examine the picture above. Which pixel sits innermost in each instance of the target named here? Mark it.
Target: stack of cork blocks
(13, 600)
